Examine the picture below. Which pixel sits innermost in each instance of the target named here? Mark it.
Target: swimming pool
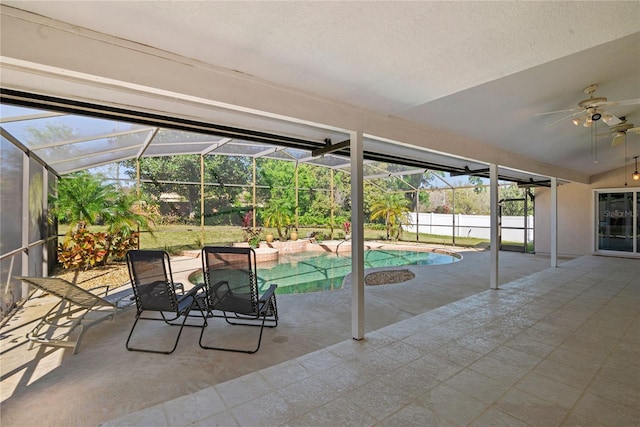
(302, 272)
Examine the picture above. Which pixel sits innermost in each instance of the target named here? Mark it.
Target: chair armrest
(192, 292)
(197, 288)
(265, 298)
(180, 286)
(268, 294)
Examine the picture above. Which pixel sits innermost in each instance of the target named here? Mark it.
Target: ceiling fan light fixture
(607, 118)
(596, 116)
(635, 175)
(587, 122)
(576, 121)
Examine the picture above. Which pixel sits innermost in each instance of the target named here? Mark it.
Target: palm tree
(277, 214)
(81, 200)
(121, 215)
(394, 208)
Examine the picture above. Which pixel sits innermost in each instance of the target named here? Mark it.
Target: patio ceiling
(456, 84)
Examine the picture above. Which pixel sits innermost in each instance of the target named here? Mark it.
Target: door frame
(635, 191)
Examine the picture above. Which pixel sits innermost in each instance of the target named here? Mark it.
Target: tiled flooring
(559, 347)
(124, 382)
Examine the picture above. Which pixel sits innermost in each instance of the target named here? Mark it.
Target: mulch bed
(115, 274)
(388, 277)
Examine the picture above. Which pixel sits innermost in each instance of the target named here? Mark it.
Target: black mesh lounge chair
(78, 309)
(232, 291)
(154, 290)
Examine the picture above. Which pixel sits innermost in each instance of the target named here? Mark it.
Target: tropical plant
(82, 249)
(278, 214)
(254, 241)
(124, 214)
(84, 200)
(394, 208)
(81, 200)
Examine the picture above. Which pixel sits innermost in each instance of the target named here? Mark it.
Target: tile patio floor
(551, 347)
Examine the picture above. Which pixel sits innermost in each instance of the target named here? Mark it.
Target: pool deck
(105, 382)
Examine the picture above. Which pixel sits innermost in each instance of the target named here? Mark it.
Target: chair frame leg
(168, 321)
(236, 350)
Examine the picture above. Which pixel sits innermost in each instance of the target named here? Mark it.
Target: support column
(332, 202)
(202, 198)
(553, 220)
(453, 209)
(417, 215)
(26, 164)
(253, 203)
(45, 214)
(495, 243)
(297, 199)
(357, 237)
(138, 195)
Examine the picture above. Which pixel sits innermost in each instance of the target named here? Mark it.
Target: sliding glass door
(617, 216)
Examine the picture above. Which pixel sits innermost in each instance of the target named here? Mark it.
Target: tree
(220, 206)
(478, 183)
(394, 208)
(52, 132)
(514, 208)
(81, 200)
(471, 202)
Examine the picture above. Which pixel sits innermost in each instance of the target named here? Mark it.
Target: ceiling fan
(620, 130)
(592, 109)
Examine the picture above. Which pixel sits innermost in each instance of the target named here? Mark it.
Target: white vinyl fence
(470, 226)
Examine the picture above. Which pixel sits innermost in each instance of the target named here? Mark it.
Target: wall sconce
(635, 175)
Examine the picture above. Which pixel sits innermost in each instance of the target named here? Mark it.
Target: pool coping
(271, 251)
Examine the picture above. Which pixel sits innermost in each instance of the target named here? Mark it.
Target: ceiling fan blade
(617, 140)
(634, 130)
(581, 112)
(558, 111)
(632, 101)
(612, 121)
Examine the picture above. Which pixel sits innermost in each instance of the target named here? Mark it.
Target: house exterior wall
(575, 213)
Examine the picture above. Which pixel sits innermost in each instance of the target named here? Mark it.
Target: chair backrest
(152, 280)
(237, 267)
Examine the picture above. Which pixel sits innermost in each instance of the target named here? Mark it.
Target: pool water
(313, 272)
